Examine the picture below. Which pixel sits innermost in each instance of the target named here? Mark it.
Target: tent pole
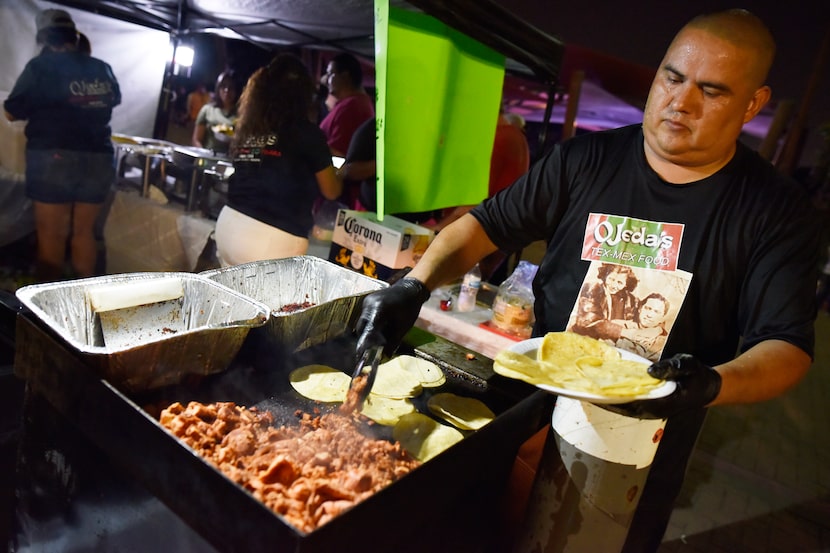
(790, 151)
(769, 146)
(163, 109)
(574, 90)
(543, 132)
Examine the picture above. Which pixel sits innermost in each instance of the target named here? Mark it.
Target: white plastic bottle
(469, 290)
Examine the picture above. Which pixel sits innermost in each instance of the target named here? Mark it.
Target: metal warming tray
(335, 292)
(142, 146)
(450, 503)
(153, 345)
(190, 156)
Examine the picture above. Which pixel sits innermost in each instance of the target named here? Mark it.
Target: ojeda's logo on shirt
(633, 242)
(86, 88)
(611, 235)
(95, 94)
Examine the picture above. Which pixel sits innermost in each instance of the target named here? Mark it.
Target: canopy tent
(338, 24)
(121, 33)
(342, 24)
(137, 38)
(271, 24)
(320, 24)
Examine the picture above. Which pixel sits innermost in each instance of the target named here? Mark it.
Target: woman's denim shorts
(68, 176)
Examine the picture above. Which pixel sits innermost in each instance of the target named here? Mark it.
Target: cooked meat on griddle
(307, 473)
(354, 394)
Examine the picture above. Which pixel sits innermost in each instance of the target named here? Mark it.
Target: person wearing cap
(66, 96)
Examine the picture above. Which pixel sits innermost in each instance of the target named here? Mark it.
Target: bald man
(699, 217)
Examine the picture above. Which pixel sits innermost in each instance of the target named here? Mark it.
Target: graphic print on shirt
(633, 289)
(95, 94)
(257, 148)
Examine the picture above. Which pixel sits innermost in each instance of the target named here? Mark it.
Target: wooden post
(791, 146)
(574, 90)
(769, 146)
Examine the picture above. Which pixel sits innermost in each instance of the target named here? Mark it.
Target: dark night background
(639, 31)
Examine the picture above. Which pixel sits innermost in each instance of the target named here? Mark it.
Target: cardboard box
(376, 248)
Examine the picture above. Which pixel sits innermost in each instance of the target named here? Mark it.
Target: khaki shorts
(242, 239)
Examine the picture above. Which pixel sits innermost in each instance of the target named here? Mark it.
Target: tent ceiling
(612, 95)
(340, 24)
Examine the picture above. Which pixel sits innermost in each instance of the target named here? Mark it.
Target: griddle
(450, 503)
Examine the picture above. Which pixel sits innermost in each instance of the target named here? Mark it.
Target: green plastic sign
(438, 96)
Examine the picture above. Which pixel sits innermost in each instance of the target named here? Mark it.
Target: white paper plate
(529, 347)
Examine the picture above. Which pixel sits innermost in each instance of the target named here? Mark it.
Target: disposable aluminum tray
(200, 335)
(335, 292)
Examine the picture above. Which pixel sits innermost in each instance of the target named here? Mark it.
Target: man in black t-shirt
(359, 168)
(731, 244)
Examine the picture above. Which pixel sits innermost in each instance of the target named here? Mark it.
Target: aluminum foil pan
(198, 333)
(335, 292)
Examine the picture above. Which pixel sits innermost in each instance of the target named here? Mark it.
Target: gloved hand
(388, 314)
(697, 386)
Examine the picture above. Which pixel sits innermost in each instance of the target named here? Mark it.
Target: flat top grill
(454, 494)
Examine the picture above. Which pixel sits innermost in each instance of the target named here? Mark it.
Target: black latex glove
(697, 385)
(388, 314)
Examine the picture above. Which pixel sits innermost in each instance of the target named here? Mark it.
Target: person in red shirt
(353, 105)
(511, 153)
(510, 160)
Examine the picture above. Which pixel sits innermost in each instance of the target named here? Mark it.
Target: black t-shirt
(67, 98)
(363, 147)
(736, 253)
(274, 178)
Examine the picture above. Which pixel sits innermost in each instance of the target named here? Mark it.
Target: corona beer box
(376, 248)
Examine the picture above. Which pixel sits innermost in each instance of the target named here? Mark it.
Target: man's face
(615, 281)
(334, 79)
(652, 312)
(699, 100)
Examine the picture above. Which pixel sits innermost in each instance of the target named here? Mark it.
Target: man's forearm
(763, 372)
(453, 252)
(357, 170)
